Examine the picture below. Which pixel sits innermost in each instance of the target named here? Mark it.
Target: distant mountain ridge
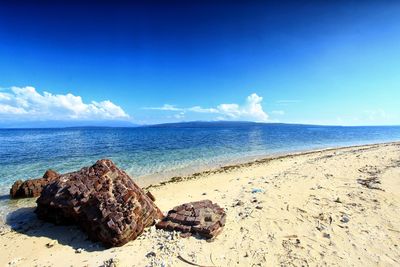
(100, 124)
(127, 124)
(202, 124)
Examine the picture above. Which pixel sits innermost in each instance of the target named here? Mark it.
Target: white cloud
(202, 110)
(251, 110)
(5, 96)
(26, 103)
(180, 115)
(166, 107)
(7, 109)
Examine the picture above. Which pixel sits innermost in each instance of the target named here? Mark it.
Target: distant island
(128, 124)
(203, 124)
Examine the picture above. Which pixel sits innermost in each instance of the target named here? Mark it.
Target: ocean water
(146, 152)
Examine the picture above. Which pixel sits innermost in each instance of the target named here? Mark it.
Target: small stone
(238, 203)
(113, 262)
(151, 254)
(259, 207)
(338, 200)
(326, 235)
(79, 250)
(185, 235)
(345, 219)
(51, 244)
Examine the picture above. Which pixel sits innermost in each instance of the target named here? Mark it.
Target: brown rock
(32, 187)
(103, 200)
(200, 217)
(151, 196)
(50, 174)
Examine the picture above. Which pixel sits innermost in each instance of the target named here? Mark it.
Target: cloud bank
(25, 103)
(251, 110)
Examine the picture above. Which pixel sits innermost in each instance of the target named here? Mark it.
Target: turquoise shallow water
(142, 151)
(146, 151)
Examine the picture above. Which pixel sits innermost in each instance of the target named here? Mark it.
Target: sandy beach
(334, 207)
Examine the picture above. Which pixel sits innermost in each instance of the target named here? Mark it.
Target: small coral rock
(103, 200)
(201, 217)
(32, 187)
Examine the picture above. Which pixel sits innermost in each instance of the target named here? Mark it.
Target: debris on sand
(370, 183)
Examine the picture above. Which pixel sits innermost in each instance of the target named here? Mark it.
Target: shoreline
(246, 163)
(206, 170)
(332, 206)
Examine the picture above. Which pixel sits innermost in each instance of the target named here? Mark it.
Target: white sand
(299, 218)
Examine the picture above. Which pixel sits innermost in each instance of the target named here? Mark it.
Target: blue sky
(322, 62)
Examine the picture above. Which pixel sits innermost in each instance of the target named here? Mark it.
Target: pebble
(14, 262)
(51, 244)
(151, 254)
(79, 250)
(238, 203)
(166, 249)
(338, 200)
(345, 219)
(113, 262)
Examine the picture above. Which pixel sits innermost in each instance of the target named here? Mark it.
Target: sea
(153, 153)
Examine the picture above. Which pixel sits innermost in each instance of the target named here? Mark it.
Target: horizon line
(197, 121)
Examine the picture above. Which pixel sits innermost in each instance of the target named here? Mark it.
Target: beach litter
(256, 190)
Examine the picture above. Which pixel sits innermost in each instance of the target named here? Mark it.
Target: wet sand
(335, 207)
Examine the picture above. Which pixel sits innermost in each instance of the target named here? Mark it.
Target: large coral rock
(201, 217)
(103, 200)
(32, 187)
